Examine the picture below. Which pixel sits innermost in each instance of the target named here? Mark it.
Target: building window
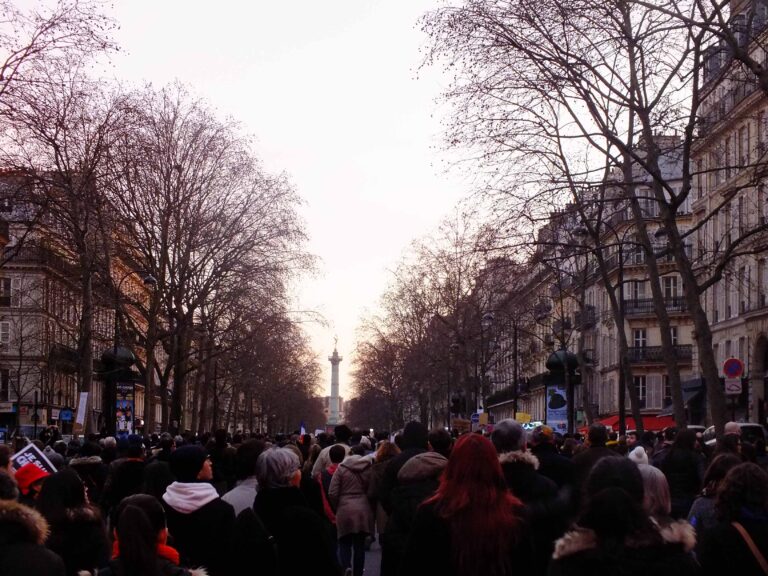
(667, 390)
(5, 332)
(5, 385)
(670, 286)
(640, 337)
(673, 335)
(638, 289)
(642, 390)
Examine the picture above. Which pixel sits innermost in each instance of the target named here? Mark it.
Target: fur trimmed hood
(84, 460)
(580, 539)
(517, 457)
(20, 523)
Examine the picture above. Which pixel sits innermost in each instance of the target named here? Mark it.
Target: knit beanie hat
(187, 461)
(638, 455)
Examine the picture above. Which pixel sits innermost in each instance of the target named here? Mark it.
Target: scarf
(163, 551)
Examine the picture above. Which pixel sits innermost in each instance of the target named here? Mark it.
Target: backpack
(253, 543)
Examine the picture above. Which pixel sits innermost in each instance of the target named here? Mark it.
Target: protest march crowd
(515, 502)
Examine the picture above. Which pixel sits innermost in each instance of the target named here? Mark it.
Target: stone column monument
(333, 408)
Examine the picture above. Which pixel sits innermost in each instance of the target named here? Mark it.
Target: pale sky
(330, 92)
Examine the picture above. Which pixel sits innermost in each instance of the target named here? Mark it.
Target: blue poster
(557, 409)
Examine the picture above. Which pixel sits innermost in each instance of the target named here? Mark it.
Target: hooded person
(23, 532)
(396, 498)
(30, 479)
(201, 523)
(615, 535)
(547, 507)
(348, 493)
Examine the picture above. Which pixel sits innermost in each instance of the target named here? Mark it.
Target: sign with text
(557, 408)
(461, 424)
(124, 408)
(31, 454)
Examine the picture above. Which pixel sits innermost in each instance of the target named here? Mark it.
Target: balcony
(37, 255)
(653, 354)
(646, 307)
(586, 318)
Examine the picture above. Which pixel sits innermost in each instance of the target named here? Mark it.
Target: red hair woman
(473, 524)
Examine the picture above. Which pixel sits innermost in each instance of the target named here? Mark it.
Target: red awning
(652, 423)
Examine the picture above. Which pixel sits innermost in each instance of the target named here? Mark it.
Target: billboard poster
(557, 409)
(124, 409)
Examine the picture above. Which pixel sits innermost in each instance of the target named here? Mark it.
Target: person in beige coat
(348, 494)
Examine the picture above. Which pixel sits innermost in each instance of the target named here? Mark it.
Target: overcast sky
(332, 93)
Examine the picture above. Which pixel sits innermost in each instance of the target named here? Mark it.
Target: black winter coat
(22, 535)
(303, 545)
(557, 468)
(724, 551)
(203, 537)
(659, 552)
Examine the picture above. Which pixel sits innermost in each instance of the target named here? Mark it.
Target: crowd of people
(512, 502)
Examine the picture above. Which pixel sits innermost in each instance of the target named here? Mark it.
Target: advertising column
(124, 408)
(557, 408)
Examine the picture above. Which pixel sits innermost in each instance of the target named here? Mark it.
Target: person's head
(277, 468)
(542, 435)
(743, 491)
(631, 439)
(166, 442)
(616, 472)
(245, 460)
(61, 491)
(386, 451)
(656, 501)
(342, 433)
(415, 435)
(728, 444)
(717, 469)
(732, 428)
(337, 453)
(473, 499)
(139, 522)
(508, 436)
(685, 440)
(30, 478)
(440, 441)
(191, 464)
(597, 435)
(314, 452)
(670, 433)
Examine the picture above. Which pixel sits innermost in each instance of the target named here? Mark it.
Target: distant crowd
(514, 502)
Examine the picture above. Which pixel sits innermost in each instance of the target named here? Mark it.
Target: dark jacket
(303, 545)
(80, 539)
(93, 473)
(430, 545)
(22, 535)
(584, 461)
(657, 552)
(125, 477)
(547, 509)
(417, 480)
(202, 534)
(557, 468)
(684, 470)
(724, 551)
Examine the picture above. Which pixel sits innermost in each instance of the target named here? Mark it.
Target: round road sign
(733, 368)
